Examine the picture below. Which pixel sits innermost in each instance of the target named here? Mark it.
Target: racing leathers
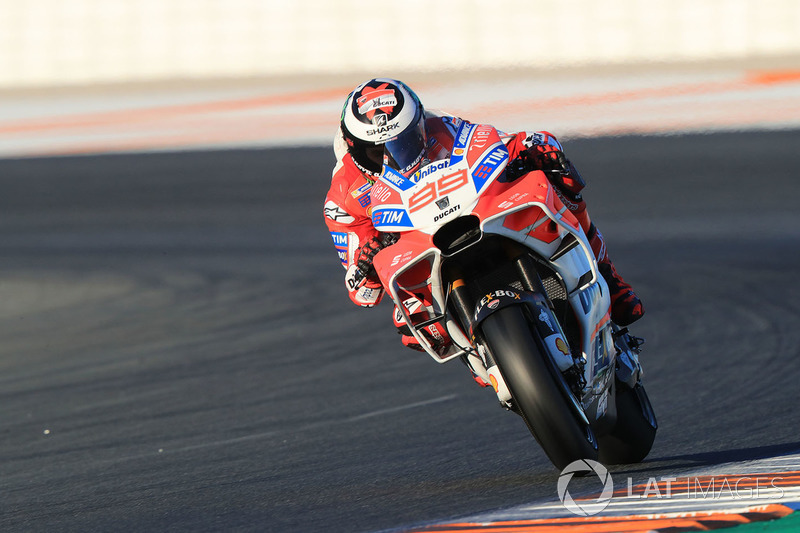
(347, 214)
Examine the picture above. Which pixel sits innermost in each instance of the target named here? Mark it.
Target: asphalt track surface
(179, 353)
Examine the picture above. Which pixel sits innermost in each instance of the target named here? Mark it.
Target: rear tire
(633, 435)
(538, 390)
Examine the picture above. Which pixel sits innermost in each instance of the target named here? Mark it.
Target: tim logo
(340, 242)
(390, 217)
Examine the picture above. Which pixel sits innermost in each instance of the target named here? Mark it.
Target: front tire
(538, 390)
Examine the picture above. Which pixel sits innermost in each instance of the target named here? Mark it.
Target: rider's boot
(626, 307)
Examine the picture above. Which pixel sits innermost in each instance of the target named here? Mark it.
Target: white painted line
(402, 408)
(316, 425)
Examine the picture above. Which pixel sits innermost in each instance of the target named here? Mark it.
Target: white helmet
(384, 121)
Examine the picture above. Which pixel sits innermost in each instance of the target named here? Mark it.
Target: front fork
(541, 317)
(480, 362)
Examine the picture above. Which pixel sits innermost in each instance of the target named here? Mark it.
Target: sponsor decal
(391, 177)
(572, 206)
(481, 137)
(562, 347)
(463, 135)
(391, 217)
(433, 167)
(337, 214)
(460, 144)
(494, 298)
(499, 294)
(493, 304)
(362, 194)
(380, 119)
(493, 380)
(340, 243)
(487, 166)
(372, 99)
(339, 239)
(380, 193)
(450, 211)
(434, 331)
(513, 199)
(544, 318)
(384, 130)
(364, 200)
(394, 179)
(602, 404)
(361, 190)
(402, 258)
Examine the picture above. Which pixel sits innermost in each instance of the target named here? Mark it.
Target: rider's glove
(559, 170)
(568, 182)
(548, 159)
(362, 281)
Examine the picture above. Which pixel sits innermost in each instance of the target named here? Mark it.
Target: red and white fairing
(527, 210)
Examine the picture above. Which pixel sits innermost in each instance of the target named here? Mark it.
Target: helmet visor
(405, 152)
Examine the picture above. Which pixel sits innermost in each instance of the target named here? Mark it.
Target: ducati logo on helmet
(373, 99)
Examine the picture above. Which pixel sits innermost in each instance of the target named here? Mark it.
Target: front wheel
(537, 388)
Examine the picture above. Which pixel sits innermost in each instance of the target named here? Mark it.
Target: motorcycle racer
(384, 122)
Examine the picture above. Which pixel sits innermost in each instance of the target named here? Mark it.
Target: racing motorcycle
(484, 250)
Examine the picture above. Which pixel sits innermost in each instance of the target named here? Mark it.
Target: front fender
(549, 332)
(499, 299)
